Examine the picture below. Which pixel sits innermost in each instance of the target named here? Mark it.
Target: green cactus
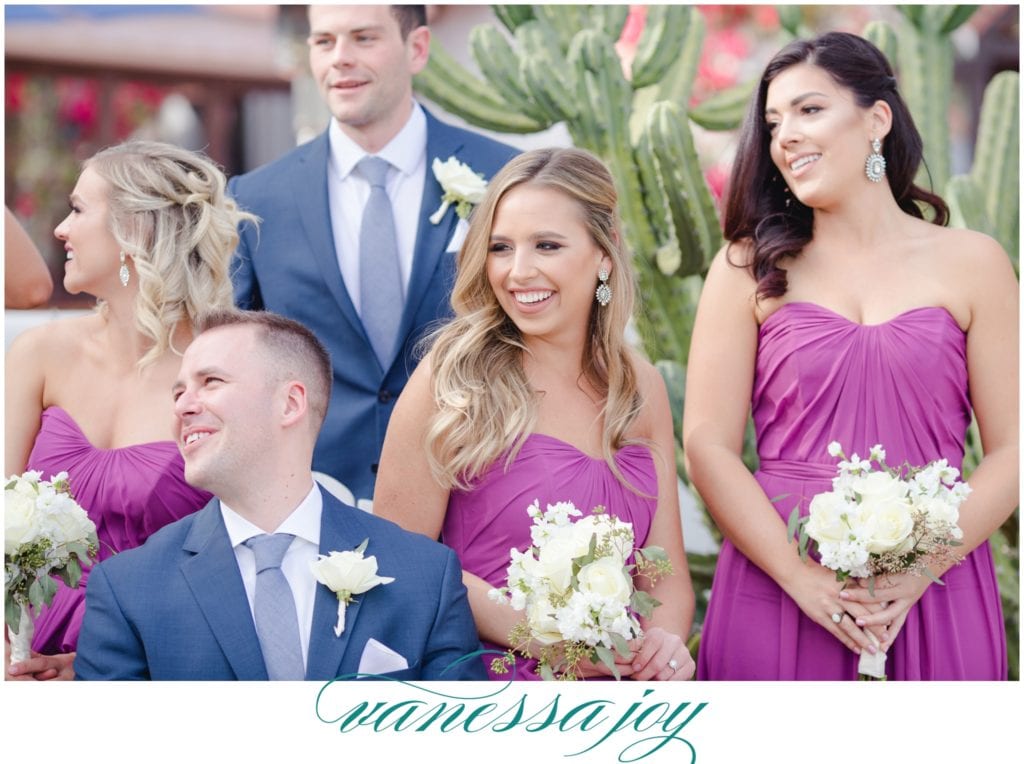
(996, 154)
(884, 37)
(925, 63)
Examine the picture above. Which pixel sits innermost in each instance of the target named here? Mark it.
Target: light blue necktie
(380, 280)
(277, 625)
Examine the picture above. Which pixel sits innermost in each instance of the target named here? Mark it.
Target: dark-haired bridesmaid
(843, 310)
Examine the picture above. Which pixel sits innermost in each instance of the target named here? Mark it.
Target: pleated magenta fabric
(483, 524)
(820, 378)
(128, 492)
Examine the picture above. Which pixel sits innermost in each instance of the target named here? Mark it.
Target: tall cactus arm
(513, 15)
(500, 64)
(952, 16)
(883, 36)
(446, 82)
(600, 73)
(678, 81)
(967, 205)
(661, 43)
(545, 71)
(609, 18)
(690, 202)
(725, 109)
(926, 73)
(996, 170)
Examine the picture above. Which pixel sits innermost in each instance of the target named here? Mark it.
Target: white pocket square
(378, 658)
(459, 236)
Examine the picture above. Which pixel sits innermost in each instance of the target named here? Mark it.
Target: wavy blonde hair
(170, 213)
(485, 406)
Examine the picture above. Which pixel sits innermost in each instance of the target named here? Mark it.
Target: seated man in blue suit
(313, 259)
(206, 599)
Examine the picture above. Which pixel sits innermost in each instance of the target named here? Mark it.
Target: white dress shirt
(348, 191)
(304, 524)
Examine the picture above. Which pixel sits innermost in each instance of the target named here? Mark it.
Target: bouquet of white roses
(576, 585)
(46, 534)
(883, 521)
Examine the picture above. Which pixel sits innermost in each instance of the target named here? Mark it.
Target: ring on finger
(837, 617)
(673, 664)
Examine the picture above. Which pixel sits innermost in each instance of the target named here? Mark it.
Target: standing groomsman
(346, 245)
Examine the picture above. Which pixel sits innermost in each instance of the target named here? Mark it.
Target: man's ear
(417, 46)
(296, 403)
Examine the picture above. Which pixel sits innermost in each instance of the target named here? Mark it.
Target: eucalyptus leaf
(643, 603)
(932, 576)
(794, 522)
(49, 589)
(12, 614)
(362, 547)
(607, 657)
(546, 673)
(656, 553)
(621, 645)
(36, 593)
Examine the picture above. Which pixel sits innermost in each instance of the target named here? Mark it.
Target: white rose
(554, 561)
(457, 179)
(880, 487)
(888, 522)
(348, 572)
(543, 624)
(605, 579)
(19, 520)
(830, 518)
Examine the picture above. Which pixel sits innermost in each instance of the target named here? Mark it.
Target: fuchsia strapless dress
(483, 524)
(820, 377)
(129, 493)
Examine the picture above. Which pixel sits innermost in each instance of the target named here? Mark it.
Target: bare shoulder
(654, 394)
(965, 251)
(62, 339)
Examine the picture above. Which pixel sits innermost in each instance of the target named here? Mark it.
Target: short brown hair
(409, 17)
(294, 350)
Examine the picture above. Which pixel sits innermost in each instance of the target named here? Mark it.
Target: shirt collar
(405, 151)
(303, 522)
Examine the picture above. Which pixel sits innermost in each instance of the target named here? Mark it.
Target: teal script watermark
(642, 728)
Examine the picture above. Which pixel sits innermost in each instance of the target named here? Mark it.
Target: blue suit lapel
(327, 651)
(212, 575)
(309, 189)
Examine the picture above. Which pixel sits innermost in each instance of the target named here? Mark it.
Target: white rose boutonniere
(462, 187)
(347, 574)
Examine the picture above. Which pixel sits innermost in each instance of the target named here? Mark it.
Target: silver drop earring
(604, 292)
(874, 167)
(123, 273)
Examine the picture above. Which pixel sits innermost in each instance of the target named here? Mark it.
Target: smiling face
(364, 68)
(820, 137)
(92, 251)
(224, 404)
(543, 263)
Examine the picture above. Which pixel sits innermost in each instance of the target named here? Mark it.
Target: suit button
(384, 396)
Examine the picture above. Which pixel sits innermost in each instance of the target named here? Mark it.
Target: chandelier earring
(874, 167)
(123, 273)
(604, 292)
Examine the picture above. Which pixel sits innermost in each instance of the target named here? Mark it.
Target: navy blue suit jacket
(289, 266)
(176, 608)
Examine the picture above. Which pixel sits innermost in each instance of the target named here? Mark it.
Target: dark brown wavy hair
(759, 207)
